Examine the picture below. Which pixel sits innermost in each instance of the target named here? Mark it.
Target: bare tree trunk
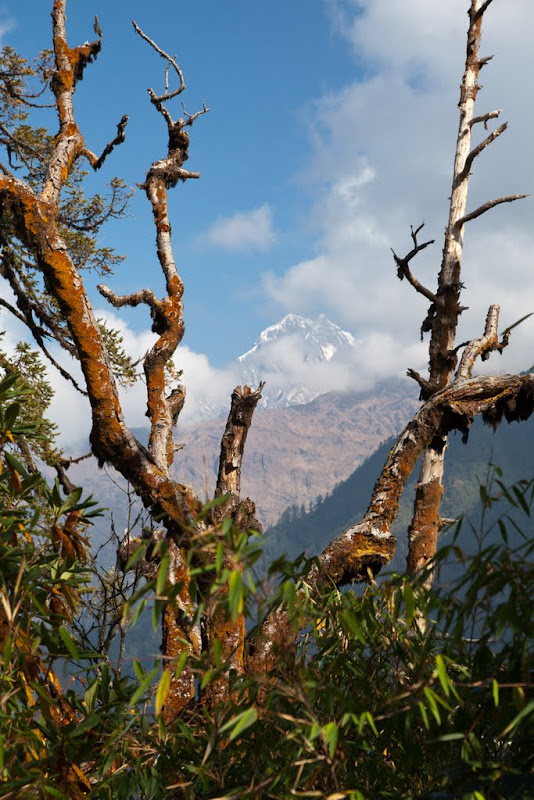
(35, 221)
(445, 308)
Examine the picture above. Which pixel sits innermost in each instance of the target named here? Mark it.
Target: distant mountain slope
(466, 466)
(292, 455)
(295, 454)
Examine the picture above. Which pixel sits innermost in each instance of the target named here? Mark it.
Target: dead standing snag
(451, 397)
(442, 317)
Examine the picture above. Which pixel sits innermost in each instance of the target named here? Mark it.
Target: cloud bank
(382, 150)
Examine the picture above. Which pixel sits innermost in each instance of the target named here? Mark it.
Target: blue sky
(331, 130)
(259, 67)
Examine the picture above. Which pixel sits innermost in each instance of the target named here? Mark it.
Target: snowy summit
(287, 356)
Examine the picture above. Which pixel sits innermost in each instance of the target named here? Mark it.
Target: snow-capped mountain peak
(323, 337)
(288, 354)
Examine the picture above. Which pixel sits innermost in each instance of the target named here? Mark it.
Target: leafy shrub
(396, 691)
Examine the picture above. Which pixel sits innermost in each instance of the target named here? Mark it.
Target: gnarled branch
(483, 346)
(96, 162)
(403, 270)
(363, 549)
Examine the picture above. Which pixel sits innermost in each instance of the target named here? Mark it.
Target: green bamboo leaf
(163, 571)
(140, 607)
(449, 737)
(182, 661)
(517, 719)
(352, 626)
(331, 735)
(521, 500)
(15, 464)
(431, 699)
(409, 602)
(370, 721)
(136, 556)
(495, 690)
(68, 641)
(90, 695)
(72, 500)
(235, 593)
(143, 686)
(515, 324)
(240, 722)
(86, 724)
(11, 415)
(162, 691)
(51, 790)
(424, 714)
(138, 669)
(442, 675)
(219, 558)
(226, 526)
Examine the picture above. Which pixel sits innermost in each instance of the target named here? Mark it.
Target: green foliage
(50, 727)
(124, 367)
(394, 691)
(36, 394)
(25, 151)
(399, 691)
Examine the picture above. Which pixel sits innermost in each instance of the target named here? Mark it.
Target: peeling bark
(34, 219)
(179, 634)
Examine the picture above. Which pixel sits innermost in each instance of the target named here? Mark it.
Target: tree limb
(485, 118)
(95, 162)
(403, 270)
(479, 148)
(487, 207)
(482, 10)
(482, 346)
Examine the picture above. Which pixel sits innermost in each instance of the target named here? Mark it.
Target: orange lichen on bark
(423, 533)
(178, 636)
(225, 636)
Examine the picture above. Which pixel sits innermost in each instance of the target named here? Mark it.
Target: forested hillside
(302, 528)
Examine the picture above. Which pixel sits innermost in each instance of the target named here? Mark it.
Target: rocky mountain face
(292, 455)
(296, 453)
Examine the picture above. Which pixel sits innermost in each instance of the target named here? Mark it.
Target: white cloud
(244, 231)
(208, 388)
(372, 359)
(382, 160)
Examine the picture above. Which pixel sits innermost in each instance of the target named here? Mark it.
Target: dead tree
(445, 304)
(33, 236)
(451, 397)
